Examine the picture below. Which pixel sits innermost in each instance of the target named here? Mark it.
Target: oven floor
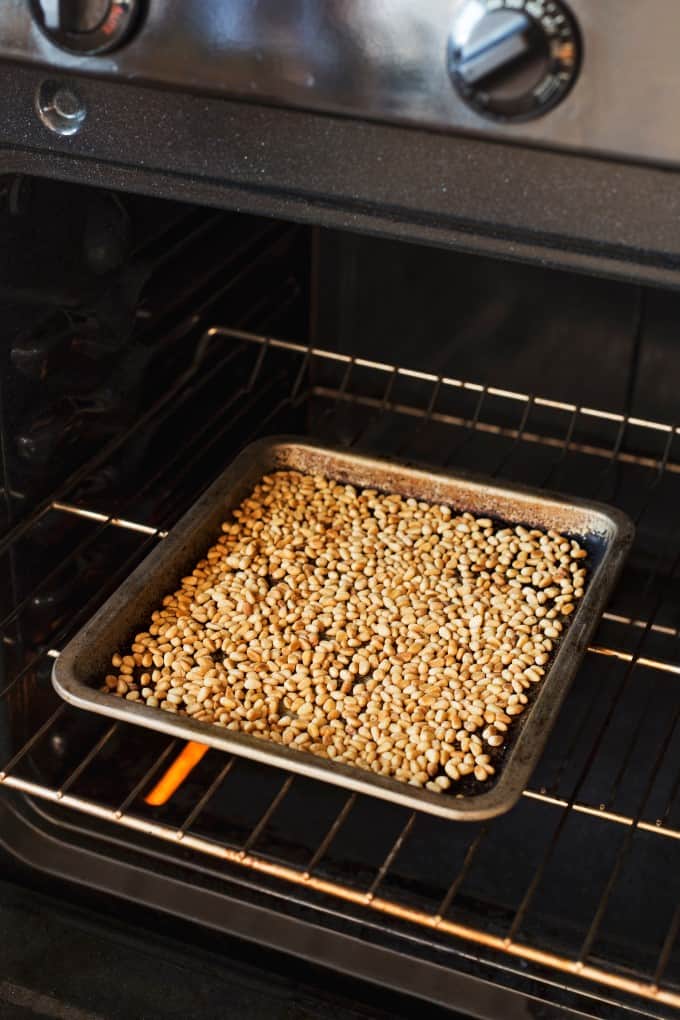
(75, 960)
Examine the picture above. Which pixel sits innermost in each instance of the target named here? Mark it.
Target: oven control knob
(511, 60)
(87, 27)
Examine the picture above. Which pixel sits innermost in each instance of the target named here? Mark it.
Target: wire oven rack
(580, 883)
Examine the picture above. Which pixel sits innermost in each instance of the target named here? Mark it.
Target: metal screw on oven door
(60, 108)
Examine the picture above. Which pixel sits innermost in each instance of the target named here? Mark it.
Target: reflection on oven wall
(103, 315)
(564, 335)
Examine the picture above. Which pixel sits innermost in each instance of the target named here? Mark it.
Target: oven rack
(634, 462)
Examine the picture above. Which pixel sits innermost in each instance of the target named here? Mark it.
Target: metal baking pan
(606, 532)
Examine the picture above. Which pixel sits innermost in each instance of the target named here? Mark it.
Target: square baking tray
(606, 532)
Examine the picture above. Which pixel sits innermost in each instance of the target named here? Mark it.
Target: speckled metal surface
(458, 192)
(607, 532)
(210, 975)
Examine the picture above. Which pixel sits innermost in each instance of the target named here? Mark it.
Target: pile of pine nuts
(395, 635)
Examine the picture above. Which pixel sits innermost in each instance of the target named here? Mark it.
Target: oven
(444, 233)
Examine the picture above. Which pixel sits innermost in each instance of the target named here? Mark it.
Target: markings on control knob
(565, 52)
(496, 47)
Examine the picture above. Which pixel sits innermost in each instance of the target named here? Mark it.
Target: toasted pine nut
(363, 627)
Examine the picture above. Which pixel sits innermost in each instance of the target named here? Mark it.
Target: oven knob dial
(511, 60)
(87, 27)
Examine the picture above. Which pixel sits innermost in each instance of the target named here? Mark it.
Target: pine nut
(363, 627)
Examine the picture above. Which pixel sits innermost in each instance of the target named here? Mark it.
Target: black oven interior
(145, 342)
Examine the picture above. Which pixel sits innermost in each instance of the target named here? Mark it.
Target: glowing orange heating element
(172, 779)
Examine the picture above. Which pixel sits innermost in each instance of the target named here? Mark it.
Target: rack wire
(609, 780)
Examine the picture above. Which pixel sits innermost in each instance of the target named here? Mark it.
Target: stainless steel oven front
(445, 234)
